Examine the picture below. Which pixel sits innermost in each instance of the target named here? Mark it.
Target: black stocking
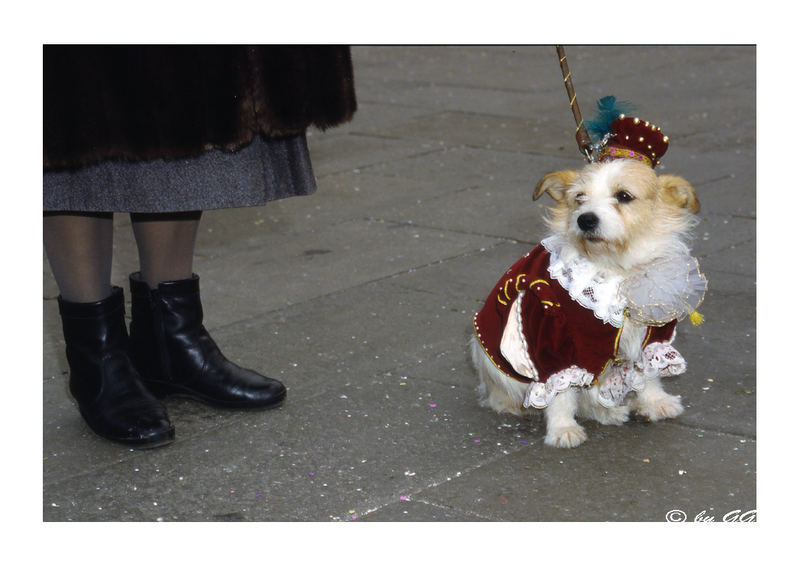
(166, 245)
(79, 248)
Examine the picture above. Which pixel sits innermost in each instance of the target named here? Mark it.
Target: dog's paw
(565, 436)
(616, 415)
(660, 407)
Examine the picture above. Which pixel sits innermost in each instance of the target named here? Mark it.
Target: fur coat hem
(137, 103)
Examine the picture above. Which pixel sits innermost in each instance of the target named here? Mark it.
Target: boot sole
(135, 443)
(138, 443)
(169, 391)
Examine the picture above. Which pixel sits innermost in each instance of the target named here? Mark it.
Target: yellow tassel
(696, 318)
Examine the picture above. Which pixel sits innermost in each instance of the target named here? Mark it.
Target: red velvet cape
(559, 331)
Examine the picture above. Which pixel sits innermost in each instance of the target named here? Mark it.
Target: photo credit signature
(677, 516)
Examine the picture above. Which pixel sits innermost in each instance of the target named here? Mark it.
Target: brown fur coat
(146, 102)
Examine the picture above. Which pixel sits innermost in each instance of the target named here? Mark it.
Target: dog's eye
(581, 198)
(623, 197)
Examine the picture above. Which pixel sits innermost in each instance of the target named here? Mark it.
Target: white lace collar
(586, 283)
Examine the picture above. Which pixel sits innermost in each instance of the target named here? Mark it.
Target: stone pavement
(360, 299)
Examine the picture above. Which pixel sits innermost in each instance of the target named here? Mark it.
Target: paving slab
(638, 472)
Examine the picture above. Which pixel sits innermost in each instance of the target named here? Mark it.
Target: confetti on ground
(432, 405)
(404, 498)
(645, 460)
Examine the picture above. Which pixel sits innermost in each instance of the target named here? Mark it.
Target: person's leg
(79, 249)
(166, 245)
(170, 347)
(111, 397)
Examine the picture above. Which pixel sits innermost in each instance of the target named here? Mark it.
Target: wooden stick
(581, 134)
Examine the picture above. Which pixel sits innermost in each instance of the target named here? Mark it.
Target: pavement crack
(410, 496)
(695, 427)
(455, 230)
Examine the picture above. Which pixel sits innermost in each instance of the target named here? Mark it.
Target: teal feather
(608, 110)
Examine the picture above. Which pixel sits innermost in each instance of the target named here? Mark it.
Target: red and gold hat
(632, 138)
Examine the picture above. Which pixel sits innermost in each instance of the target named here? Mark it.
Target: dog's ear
(678, 191)
(555, 184)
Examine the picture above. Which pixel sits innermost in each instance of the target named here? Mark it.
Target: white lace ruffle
(586, 283)
(658, 359)
(618, 382)
(540, 394)
(661, 359)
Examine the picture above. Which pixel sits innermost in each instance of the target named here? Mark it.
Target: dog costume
(554, 320)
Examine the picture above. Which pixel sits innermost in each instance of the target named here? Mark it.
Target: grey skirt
(266, 170)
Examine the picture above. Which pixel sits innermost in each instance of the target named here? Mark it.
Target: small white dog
(583, 324)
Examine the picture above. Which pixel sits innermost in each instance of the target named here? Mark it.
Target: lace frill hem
(619, 382)
(662, 360)
(540, 394)
(658, 359)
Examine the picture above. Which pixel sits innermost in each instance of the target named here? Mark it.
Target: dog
(558, 332)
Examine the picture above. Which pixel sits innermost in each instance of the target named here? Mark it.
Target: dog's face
(620, 212)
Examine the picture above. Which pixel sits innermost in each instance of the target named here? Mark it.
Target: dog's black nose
(588, 222)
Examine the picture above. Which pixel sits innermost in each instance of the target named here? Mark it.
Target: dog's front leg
(562, 429)
(654, 403)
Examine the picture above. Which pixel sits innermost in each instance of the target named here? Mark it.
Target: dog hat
(624, 137)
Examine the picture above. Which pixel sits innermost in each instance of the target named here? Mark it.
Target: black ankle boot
(110, 394)
(176, 356)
